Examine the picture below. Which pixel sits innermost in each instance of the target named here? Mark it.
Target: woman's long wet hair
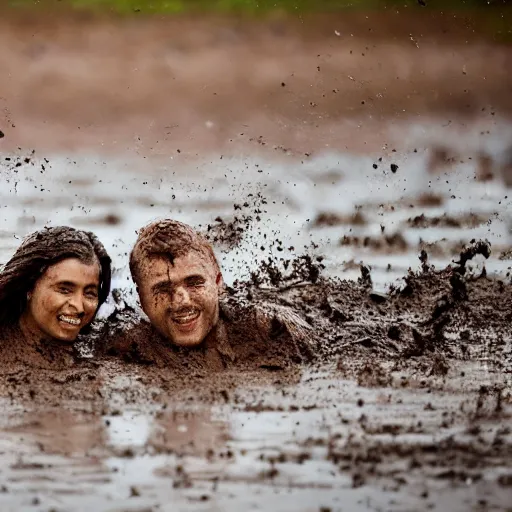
(36, 254)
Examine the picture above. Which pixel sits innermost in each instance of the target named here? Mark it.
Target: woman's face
(63, 300)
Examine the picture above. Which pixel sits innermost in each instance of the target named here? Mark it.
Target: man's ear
(219, 281)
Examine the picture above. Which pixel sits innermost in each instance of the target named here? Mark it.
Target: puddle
(296, 446)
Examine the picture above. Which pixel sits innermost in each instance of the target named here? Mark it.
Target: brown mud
(422, 416)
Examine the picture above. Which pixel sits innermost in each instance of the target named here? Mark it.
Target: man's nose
(181, 296)
(76, 302)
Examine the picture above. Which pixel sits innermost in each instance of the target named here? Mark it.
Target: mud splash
(434, 318)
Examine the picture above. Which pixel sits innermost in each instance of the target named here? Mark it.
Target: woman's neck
(31, 332)
(34, 336)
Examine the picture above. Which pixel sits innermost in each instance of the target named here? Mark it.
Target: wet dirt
(424, 370)
(396, 394)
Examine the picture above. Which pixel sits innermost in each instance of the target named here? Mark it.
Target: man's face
(181, 299)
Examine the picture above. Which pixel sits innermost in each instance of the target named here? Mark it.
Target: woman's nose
(76, 301)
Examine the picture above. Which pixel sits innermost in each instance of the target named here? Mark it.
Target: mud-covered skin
(434, 317)
(259, 335)
(16, 352)
(46, 374)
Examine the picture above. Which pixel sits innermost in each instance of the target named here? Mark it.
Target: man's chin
(187, 342)
(189, 335)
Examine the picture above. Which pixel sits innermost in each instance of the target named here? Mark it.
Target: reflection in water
(322, 441)
(187, 432)
(59, 432)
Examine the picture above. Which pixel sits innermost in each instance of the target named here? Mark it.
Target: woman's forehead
(72, 269)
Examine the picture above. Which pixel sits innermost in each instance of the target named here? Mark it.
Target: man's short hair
(169, 239)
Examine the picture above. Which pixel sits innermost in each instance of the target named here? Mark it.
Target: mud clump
(366, 278)
(426, 317)
(373, 375)
(334, 219)
(228, 234)
(470, 220)
(384, 243)
(474, 248)
(231, 232)
(11, 166)
(286, 272)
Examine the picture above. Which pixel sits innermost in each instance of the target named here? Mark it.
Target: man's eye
(91, 294)
(64, 290)
(195, 282)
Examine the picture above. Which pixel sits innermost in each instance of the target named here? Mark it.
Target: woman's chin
(65, 337)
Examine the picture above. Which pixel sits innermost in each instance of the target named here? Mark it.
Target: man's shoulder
(255, 328)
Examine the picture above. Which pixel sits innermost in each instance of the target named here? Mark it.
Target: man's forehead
(157, 267)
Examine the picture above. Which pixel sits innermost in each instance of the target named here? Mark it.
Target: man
(178, 280)
(182, 292)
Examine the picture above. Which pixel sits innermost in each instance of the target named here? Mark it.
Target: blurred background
(361, 131)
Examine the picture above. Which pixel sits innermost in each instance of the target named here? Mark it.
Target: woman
(51, 290)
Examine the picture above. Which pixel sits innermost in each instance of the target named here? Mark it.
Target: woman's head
(55, 283)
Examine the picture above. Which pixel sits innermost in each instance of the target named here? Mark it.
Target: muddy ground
(277, 140)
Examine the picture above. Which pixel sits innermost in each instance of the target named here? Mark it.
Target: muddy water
(322, 443)
(313, 441)
(355, 188)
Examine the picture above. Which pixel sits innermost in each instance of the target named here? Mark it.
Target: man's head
(178, 280)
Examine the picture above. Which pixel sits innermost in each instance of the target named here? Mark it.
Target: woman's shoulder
(10, 338)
